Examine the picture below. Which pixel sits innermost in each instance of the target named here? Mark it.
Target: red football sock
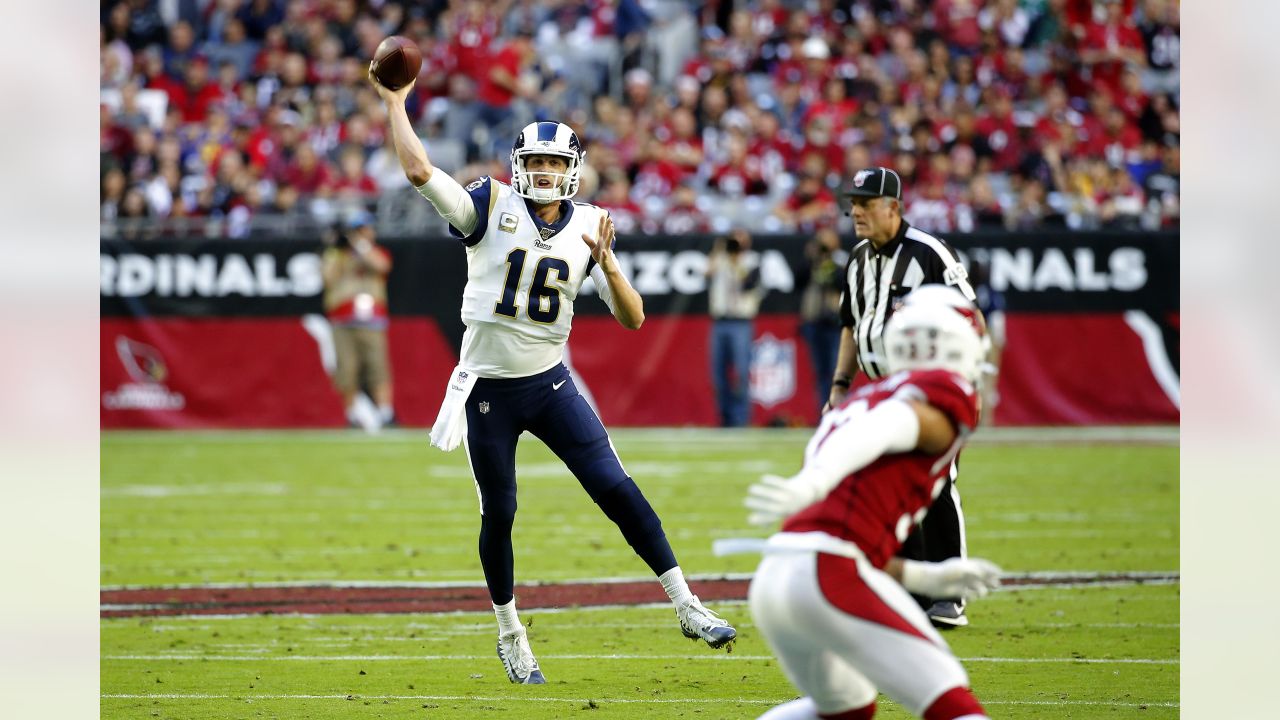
(955, 703)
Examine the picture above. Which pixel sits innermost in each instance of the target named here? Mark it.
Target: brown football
(397, 62)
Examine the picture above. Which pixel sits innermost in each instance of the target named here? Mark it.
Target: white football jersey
(522, 278)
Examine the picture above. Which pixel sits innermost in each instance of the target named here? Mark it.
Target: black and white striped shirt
(876, 280)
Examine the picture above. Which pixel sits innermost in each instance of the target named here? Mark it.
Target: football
(396, 62)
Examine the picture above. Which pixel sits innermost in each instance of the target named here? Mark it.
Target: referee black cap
(875, 182)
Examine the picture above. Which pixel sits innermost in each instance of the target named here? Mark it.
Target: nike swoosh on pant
(556, 386)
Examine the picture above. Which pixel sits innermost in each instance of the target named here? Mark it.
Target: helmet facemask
(937, 331)
(546, 138)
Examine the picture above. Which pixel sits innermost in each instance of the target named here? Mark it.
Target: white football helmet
(936, 327)
(547, 138)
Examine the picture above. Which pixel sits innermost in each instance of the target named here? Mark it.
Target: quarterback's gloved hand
(958, 577)
(774, 498)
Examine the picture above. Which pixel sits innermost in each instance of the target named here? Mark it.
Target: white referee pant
(842, 630)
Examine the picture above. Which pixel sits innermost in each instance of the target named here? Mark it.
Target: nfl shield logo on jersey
(773, 370)
(484, 407)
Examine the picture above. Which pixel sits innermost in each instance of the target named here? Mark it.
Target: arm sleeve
(857, 439)
(466, 210)
(602, 285)
(846, 298)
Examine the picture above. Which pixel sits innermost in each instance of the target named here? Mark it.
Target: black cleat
(947, 615)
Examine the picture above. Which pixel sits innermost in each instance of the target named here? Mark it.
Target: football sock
(353, 417)
(673, 582)
(508, 620)
(958, 703)
(387, 413)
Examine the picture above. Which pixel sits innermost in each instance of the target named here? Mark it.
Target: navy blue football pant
(549, 406)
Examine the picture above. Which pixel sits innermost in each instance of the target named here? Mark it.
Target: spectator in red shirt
(683, 216)
(1001, 133)
(473, 26)
(308, 172)
(499, 84)
(835, 105)
(1118, 141)
(114, 140)
(352, 181)
(957, 21)
(615, 196)
(820, 140)
(741, 173)
(681, 143)
(157, 79)
(201, 95)
(773, 145)
(810, 206)
(1109, 45)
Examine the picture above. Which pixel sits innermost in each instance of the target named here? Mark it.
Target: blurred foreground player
(529, 249)
(830, 596)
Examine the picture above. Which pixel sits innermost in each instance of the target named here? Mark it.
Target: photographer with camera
(733, 298)
(822, 278)
(355, 270)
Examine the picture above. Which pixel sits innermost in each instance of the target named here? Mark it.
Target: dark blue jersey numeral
(540, 292)
(544, 300)
(507, 305)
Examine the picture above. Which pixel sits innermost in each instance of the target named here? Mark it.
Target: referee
(891, 259)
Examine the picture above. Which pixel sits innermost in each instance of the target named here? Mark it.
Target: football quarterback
(529, 249)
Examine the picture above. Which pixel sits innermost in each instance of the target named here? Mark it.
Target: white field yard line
(597, 700)
(662, 436)
(1049, 578)
(370, 632)
(713, 657)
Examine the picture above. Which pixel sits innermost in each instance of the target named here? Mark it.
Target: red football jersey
(877, 506)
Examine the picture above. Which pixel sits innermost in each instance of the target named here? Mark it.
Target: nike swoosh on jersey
(556, 386)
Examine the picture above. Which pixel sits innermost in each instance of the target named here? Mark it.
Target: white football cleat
(518, 659)
(697, 622)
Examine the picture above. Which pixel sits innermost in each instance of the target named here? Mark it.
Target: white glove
(774, 498)
(958, 577)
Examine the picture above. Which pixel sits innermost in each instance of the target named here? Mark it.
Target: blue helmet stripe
(547, 131)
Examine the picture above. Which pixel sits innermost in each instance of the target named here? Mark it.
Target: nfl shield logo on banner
(773, 370)
(484, 407)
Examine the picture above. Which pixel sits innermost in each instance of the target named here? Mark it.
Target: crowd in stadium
(697, 116)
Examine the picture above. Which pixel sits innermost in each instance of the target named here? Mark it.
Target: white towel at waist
(451, 423)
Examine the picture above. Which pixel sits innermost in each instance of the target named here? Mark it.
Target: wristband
(842, 381)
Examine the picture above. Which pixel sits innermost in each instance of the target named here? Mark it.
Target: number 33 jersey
(522, 278)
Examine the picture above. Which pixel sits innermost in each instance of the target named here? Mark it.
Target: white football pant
(842, 630)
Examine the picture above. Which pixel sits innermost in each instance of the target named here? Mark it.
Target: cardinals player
(830, 596)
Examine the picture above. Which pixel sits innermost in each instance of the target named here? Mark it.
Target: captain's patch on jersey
(508, 222)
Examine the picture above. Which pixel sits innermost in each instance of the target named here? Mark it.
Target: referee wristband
(842, 381)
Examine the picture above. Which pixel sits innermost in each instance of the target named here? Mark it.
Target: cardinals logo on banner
(146, 367)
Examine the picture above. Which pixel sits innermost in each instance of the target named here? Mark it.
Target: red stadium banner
(227, 335)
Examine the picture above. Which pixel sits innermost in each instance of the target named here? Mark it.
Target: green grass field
(244, 508)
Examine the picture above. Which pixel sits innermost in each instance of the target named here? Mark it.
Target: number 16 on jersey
(543, 303)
